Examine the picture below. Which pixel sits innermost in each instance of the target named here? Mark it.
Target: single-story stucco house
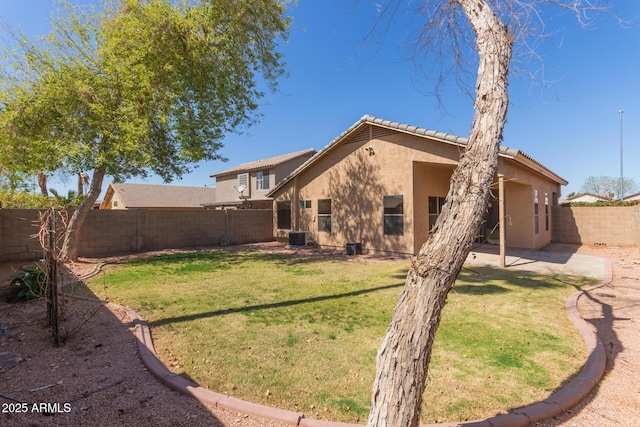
(381, 184)
(632, 197)
(586, 198)
(153, 196)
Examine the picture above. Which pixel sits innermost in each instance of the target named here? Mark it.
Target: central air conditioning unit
(298, 238)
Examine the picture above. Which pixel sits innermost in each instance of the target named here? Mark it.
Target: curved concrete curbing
(554, 405)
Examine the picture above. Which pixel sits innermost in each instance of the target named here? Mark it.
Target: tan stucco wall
(520, 184)
(519, 211)
(406, 165)
(356, 183)
(225, 191)
(116, 203)
(430, 179)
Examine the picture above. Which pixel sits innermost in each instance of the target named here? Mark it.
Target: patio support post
(502, 214)
(295, 208)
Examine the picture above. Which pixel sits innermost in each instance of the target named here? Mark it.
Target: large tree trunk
(69, 249)
(403, 358)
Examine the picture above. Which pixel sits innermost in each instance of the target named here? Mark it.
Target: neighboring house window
(243, 179)
(262, 180)
(393, 215)
(435, 207)
(546, 211)
(324, 215)
(283, 215)
(535, 211)
(305, 204)
(115, 204)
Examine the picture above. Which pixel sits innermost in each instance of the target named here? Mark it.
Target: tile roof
(415, 130)
(162, 196)
(595, 196)
(265, 163)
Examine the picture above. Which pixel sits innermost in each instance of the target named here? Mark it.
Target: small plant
(31, 280)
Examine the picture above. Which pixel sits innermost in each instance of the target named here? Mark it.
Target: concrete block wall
(16, 228)
(637, 217)
(611, 225)
(111, 232)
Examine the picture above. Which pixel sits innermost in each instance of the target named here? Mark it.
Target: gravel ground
(97, 379)
(614, 311)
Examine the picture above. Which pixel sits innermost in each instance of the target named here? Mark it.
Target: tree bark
(83, 182)
(404, 356)
(69, 249)
(42, 183)
(80, 184)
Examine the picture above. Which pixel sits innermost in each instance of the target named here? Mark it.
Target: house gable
(255, 179)
(376, 163)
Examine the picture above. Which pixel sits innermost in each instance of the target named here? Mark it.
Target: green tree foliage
(23, 200)
(138, 87)
(11, 181)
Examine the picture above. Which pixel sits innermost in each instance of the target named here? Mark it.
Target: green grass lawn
(302, 334)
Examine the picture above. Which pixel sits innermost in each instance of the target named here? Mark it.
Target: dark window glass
(305, 204)
(324, 215)
(284, 215)
(546, 211)
(535, 212)
(393, 207)
(435, 208)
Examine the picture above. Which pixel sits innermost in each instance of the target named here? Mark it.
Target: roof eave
(526, 160)
(459, 141)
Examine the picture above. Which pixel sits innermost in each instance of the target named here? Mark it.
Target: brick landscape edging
(554, 405)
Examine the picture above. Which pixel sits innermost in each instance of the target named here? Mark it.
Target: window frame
(536, 212)
(433, 216)
(392, 220)
(262, 180)
(305, 204)
(546, 211)
(243, 179)
(324, 215)
(280, 220)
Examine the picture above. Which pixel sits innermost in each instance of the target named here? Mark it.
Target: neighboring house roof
(635, 196)
(264, 163)
(459, 141)
(159, 196)
(587, 197)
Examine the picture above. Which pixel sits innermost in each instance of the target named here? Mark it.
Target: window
(305, 204)
(435, 208)
(535, 211)
(262, 180)
(393, 213)
(324, 215)
(243, 179)
(546, 212)
(283, 213)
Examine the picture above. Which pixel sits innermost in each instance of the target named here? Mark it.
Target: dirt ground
(614, 312)
(97, 379)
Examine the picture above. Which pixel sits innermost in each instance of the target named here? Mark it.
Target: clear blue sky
(572, 127)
